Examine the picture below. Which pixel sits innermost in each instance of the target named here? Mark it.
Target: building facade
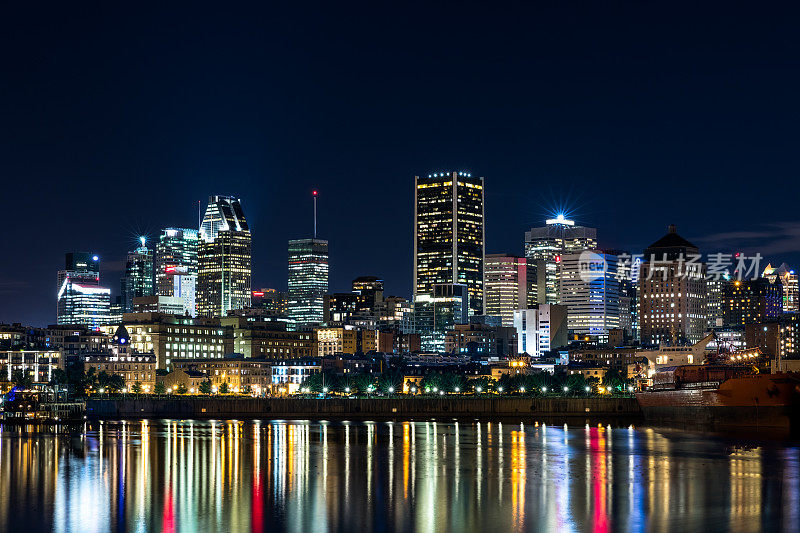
(81, 299)
(224, 258)
(541, 329)
(751, 301)
(449, 233)
(589, 289)
(506, 284)
(672, 292)
(544, 247)
(137, 281)
(176, 252)
(308, 280)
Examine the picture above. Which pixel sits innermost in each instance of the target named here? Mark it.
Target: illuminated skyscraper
(506, 284)
(81, 299)
(544, 247)
(137, 280)
(589, 289)
(437, 312)
(449, 234)
(308, 280)
(788, 279)
(223, 259)
(176, 251)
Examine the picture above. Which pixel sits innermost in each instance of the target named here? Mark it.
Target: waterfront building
(308, 280)
(715, 300)
(672, 292)
(541, 329)
(544, 247)
(507, 281)
(36, 364)
(287, 376)
(137, 280)
(224, 258)
(138, 370)
(449, 234)
(789, 281)
(176, 253)
(777, 338)
(589, 289)
(240, 374)
(751, 301)
(81, 299)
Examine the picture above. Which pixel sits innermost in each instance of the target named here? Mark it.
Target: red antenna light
(314, 193)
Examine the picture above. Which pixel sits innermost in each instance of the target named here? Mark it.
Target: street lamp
(588, 389)
(347, 390)
(325, 390)
(566, 389)
(458, 389)
(522, 389)
(478, 389)
(441, 393)
(630, 388)
(391, 389)
(414, 390)
(544, 389)
(499, 389)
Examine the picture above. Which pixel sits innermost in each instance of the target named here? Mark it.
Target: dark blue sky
(117, 119)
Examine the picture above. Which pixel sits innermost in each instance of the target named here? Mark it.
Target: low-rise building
(287, 376)
(36, 364)
(478, 340)
(177, 378)
(345, 339)
(239, 373)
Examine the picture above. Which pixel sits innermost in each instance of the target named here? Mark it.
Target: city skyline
(592, 126)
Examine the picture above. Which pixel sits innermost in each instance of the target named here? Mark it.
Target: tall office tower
(506, 282)
(589, 289)
(370, 293)
(672, 292)
(81, 299)
(751, 301)
(137, 281)
(437, 312)
(544, 247)
(449, 233)
(176, 250)
(223, 258)
(791, 292)
(308, 280)
(540, 329)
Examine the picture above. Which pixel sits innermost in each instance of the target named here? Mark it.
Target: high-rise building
(544, 247)
(223, 259)
(672, 292)
(437, 312)
(308, 280)
(541, 329)
(715, 300)
(589, 289)
(506, 283)
(176, 251)
(449, 233)
(751, 301)
(137, 281)
(81, 299)
(788, 279)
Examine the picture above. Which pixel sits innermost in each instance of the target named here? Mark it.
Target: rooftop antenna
(199, 215)
(314, 194)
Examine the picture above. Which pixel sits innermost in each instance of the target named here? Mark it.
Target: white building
(540, 329)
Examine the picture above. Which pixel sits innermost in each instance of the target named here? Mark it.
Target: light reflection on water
(405, 476)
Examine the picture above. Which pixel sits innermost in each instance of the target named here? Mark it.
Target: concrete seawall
(165, 407)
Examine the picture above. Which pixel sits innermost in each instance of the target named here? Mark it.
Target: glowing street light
(566, 389)
(588, 389)
(499, 389)
(522, 389)
(347, 389)
(478, 389)
(391, 389)
(458, 389)
(325, 389)
(441, 393)
(544, 389)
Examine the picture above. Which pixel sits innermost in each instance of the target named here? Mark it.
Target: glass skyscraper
(224, 258)
(176, 252)
(308, 280)
(138, 278)
(81, 299)
(449, 234)
(544, 247)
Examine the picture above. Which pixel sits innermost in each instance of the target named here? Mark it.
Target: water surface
(380, 476)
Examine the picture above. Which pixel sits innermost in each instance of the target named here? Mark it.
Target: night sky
(117, 119)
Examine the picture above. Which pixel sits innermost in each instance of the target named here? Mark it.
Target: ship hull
(769, 401)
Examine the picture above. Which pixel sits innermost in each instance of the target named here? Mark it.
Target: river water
(191, 476)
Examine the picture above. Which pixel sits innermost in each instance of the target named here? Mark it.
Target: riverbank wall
(361, 408)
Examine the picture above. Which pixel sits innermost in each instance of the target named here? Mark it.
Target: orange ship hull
(759, 401)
